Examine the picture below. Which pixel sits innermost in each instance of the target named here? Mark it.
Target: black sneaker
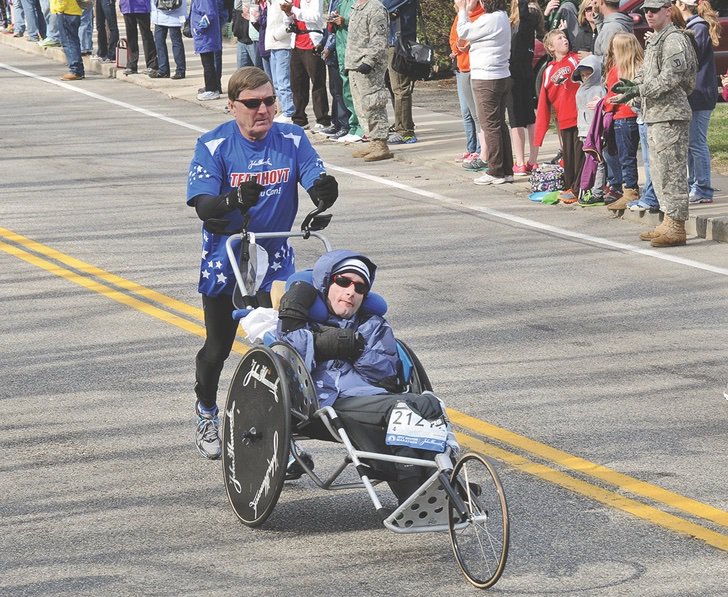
(294, 470)
(155, 74)
(556, 159)
(178, 76)
(130, 71)
(339, 134)
(330, 130)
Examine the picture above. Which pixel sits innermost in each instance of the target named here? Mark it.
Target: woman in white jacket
(169, 21)
(490, 47)
(280, 42)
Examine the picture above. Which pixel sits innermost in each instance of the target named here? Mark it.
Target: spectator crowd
(608, 97)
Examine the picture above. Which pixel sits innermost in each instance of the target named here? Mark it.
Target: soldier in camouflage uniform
(366, 62)
(662, 85)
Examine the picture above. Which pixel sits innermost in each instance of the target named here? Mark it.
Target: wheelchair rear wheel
(256, 436)
(480, 539)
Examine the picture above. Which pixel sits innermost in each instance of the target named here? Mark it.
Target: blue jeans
(266, 66)
(648, 196)
(51, 19)
(178, 49)
(627, 137)
(280, 66)
(248, 55)
(69, 25)
(106, 20)
(699, 156)
(31, 23)
(339, 112)
(465, 95)
(86, 29)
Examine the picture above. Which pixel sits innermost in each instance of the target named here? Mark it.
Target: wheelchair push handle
(314, 221)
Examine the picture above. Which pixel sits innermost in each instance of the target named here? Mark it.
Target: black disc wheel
(256, 435)
(480, 532)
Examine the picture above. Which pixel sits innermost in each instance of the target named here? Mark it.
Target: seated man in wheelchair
(354, 364)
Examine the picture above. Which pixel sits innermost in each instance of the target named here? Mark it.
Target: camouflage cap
(655, 4)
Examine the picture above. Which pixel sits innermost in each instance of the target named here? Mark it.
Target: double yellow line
(545, 462)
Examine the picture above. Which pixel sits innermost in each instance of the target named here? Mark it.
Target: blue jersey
(223, 159)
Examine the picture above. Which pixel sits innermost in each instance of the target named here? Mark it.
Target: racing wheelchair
(272, 405)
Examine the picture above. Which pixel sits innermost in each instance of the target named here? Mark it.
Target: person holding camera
(308, 71)
(247, 167)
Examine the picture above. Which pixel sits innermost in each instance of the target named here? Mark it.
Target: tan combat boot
(657, 231)
(380, 151)
(673, 236)
(362, 152)
(623, 201)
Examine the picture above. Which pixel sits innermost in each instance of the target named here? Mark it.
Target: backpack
(167, 5)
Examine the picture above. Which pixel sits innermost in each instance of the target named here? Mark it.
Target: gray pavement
(440, 140)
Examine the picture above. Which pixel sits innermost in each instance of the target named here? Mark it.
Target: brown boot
(673, 236)
(363, 151)
(380, 151)
(621, 203)
(657, 231)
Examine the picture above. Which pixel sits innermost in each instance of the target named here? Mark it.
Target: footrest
(427, 508)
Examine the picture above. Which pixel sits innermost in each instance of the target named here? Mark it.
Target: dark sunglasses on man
(344, 282)
(253, 103)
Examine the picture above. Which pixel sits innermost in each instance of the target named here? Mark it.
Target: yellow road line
(111, 293)
(92, 270)
(608, 498)
(559, 457)
(580, 465)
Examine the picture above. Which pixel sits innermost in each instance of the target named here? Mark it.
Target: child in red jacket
(559, 91)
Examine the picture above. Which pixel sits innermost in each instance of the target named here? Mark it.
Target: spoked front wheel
(479, 527)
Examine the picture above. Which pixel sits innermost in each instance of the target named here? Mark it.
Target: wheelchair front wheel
(480, 538)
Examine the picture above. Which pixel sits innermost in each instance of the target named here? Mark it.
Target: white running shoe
(350, 138)
(488, 179)
(207, 436)
(206, 96)
(282, 118)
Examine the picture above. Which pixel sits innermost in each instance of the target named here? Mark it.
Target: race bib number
(407, 428)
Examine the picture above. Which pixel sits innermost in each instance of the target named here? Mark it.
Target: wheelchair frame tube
(232, 239)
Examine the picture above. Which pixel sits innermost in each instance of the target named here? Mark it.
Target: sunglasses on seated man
(254, 102)
(344, 282)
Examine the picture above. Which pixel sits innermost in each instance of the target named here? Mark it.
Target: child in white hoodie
(588, 74)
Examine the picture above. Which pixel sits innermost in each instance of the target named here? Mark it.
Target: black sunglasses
(254, 102)
(654, 10)
(344, 282)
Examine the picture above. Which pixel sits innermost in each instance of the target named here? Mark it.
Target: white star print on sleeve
(221, 278)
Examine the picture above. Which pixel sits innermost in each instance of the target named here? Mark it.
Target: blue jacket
(403, 18)
(341, 379)
(205, 22)
(705, 94)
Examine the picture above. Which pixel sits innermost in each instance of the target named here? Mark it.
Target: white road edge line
(414, 190)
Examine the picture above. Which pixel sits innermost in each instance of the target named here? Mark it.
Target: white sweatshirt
(490, 44)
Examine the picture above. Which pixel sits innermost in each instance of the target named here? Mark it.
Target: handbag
(547, 177)
(187, 27)
(412, 58)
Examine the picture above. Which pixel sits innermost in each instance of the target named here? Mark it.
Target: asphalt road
(592, 370)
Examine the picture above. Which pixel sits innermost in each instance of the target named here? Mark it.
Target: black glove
(325, 190)
(295, 303)
(245, 196)
(364, 68)
(215, 225)
(337, 343)
(627, 89)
